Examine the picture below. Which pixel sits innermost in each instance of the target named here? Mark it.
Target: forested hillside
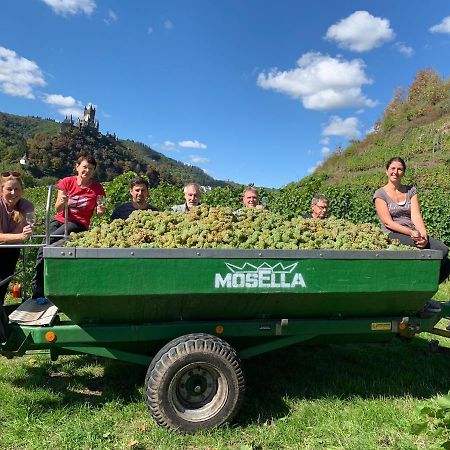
(52, 153)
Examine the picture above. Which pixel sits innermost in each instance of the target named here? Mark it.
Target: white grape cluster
(211, 227)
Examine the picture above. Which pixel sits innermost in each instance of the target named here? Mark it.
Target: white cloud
(347, 128)
(18, 75)
(71, 7)
(404, 49)
(312, 169)
(65, 105)
(325, 141)
(169, 145)
(58, 100)
(198, 159)
(168, 25)
(192, 144)
(112, 17)
(75, 111)
(325, 151)
(321, 82)
(360, 32)
(443, 27)
(150, 30)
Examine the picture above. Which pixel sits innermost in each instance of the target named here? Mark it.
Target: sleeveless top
(400, 213)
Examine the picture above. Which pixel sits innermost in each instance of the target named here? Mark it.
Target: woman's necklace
(6, 207)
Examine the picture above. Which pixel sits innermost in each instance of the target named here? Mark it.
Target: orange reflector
(402, 325)
(16, 290)
(219, 329)
(50, 336)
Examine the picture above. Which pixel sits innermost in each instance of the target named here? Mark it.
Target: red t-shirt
(82, 200)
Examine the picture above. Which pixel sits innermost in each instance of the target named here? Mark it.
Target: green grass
(443, 294)
(357, 396)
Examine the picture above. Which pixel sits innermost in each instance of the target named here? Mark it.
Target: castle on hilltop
(86, 123)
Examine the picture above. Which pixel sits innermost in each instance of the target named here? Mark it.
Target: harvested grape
(212, 227)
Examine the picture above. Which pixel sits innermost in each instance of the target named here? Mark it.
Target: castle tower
(88, 122)
(67, 123)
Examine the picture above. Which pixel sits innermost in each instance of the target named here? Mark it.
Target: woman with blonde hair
(13, 230)
(13, 225)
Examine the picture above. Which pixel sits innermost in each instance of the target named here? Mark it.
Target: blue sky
(254, 91)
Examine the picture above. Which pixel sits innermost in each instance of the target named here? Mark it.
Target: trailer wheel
(194, 382)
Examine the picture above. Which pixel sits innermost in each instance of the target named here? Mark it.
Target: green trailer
(192, 315)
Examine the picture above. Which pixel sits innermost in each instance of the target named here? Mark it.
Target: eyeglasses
(11, 174)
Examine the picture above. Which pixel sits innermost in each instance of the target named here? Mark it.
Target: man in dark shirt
(139, 200)
(319, 208)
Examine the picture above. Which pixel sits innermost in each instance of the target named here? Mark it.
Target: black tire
(194, 382)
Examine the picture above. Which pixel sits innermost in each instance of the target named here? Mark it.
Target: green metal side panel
(123, 289)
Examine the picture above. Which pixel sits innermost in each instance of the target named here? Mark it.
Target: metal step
(32, 313)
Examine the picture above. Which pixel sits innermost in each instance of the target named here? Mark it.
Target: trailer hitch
(5, 349)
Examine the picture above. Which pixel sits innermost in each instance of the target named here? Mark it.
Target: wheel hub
(196, 386)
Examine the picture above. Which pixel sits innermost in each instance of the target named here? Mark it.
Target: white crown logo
(265, 267)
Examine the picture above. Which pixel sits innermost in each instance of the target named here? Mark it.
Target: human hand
(421, 242)
(416, 236)
(61, 200)
(63, 195)
(27, 232)
(100, 205)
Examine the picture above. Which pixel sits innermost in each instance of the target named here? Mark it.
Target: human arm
(16, 238)
(20, 225)
(417, 220)
(61, 200)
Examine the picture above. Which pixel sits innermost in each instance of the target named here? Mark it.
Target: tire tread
(178, 349)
